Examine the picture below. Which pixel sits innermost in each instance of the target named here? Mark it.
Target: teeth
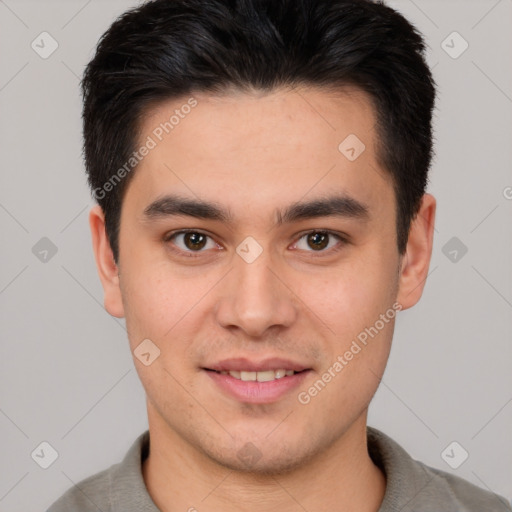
(265, 376)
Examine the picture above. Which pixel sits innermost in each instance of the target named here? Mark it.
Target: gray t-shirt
(411, 485)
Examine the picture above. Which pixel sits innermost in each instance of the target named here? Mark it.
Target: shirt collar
(410, 484)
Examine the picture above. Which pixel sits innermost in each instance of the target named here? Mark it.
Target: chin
(278, 465)
(263, 458)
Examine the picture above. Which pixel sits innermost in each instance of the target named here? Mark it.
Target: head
(292, 140)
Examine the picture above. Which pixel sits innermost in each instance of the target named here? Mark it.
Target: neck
(180, 478)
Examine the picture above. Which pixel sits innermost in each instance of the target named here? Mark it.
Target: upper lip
(243, 364)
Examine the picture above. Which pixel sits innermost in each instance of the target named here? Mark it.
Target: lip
(243, 364)
(257, 392)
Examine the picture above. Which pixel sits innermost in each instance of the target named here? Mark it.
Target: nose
(255, 297)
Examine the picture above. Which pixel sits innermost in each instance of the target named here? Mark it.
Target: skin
(254, 154)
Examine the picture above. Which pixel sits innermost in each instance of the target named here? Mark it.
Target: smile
(257, 387)
(264, 376)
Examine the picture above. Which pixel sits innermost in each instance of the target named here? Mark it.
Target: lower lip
(257, 392)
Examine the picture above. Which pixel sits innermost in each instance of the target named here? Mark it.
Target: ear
(416, 260)
(107, 267)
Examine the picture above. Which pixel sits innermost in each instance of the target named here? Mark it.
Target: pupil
(321, 238)
(197, 240)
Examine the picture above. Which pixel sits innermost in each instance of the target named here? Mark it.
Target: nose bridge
(255, 298)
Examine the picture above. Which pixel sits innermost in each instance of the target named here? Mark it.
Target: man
(260, 168)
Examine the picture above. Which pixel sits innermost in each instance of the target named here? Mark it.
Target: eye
(320, 241)
(191, 241)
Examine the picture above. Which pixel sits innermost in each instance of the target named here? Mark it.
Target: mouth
(257, 382)
(262, 376)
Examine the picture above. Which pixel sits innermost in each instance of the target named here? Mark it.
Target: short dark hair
(166, 49)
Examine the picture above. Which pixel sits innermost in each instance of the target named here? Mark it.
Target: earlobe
(106, 266)
(415, 262)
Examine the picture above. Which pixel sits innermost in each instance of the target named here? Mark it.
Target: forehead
(262, 149)
(303, 120)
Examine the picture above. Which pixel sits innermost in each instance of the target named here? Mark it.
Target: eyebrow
(331, 206)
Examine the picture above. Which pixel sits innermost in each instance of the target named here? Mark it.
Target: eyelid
(343, 240)
(169, 236)
(172, 234)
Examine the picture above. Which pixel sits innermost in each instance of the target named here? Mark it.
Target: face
(258, 255)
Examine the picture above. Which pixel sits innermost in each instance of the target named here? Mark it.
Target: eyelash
(195, 254)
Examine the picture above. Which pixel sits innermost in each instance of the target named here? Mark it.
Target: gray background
(67, 376)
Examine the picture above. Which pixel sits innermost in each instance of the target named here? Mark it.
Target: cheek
(152, 302)
(353, 296)
(167, 309)
(156, 310)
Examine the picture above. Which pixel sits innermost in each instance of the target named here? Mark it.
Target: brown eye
(194, 241)
(190, 241)
(320, 242)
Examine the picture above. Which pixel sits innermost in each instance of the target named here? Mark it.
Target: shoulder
(120, 488)
(463, 495)
(413, 486)
(89, 495)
